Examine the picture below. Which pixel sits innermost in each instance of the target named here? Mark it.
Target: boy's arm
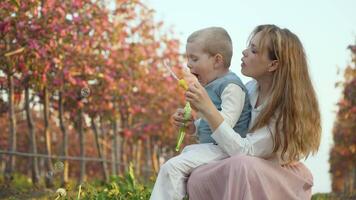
(196, 124)
(232, 103)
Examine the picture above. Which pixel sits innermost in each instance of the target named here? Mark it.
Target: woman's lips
(243, 63)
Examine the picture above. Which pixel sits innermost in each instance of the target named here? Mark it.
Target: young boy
(209, 53)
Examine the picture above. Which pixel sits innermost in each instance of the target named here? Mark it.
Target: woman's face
(255, 63)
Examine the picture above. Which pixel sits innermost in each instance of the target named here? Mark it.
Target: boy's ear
(273, 66)
(218, 58)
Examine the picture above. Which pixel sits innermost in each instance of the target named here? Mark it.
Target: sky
(325, 28)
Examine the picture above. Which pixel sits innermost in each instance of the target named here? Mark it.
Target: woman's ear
(273, 66)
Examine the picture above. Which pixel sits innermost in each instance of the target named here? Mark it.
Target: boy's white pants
(173, 174)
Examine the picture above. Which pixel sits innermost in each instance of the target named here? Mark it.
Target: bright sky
(325, 27)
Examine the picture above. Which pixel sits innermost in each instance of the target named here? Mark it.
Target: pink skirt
(244, 177)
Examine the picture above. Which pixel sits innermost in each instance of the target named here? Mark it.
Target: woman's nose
(244, 52)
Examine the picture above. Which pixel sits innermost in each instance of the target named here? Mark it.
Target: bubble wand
(187, 109)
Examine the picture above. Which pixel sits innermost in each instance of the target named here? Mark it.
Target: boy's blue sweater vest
(215, 89)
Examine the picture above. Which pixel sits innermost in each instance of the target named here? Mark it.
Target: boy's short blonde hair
(215, 40)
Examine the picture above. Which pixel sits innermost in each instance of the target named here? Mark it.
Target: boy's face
(200, 63)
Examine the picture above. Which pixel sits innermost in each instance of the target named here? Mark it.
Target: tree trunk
(155, 162)
(99, 149)
(104, 141)
(133, 158)
(124, 154)
(148, 157)
(114, 149)
(12, 133)
(138, 157)
(64, 178)
(82, 145)
(119, 153)
(47, 134)
(34, 163)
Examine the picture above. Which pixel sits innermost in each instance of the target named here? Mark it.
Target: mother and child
(251, 137)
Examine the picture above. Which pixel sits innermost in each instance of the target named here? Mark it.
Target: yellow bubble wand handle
(183, 84)
(187, 109)
(186, 116)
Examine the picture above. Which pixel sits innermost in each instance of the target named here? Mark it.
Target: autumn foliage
(343, 153)
(51, 50)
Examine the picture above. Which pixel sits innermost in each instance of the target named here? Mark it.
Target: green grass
(125, 187)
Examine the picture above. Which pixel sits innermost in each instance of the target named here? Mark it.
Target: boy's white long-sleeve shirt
(232, 103)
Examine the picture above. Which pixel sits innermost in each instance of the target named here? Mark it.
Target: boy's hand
(178, 121)
(188, 76)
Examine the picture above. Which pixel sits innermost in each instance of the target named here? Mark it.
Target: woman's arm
(259, 143)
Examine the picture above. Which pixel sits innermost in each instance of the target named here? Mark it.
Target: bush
(333, 196)
(120, 187)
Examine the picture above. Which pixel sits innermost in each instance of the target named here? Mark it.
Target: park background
(116, 54)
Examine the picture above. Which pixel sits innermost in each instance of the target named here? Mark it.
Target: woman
(285, 126)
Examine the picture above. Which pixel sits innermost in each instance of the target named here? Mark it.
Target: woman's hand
(201, 102)
(178, 121)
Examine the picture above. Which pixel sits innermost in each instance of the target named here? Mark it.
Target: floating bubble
(84, 185)
(85, 92)
(49, 174)
(58, 166)
(61, 192)
(135, 89)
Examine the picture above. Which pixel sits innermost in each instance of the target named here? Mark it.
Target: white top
(259, 143)
(232, 103)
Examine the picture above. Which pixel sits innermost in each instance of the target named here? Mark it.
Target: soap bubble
(49, 174)
(61, 192)
(85, 92)
(58, 166)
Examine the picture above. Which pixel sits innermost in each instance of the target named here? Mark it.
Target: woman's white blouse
(258, 143)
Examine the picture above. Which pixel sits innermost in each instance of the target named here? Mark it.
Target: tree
(343, 153)
(54, 49)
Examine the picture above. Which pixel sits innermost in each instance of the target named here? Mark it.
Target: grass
(118, 188)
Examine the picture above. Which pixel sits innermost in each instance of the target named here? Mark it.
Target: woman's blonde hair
(293, 103)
